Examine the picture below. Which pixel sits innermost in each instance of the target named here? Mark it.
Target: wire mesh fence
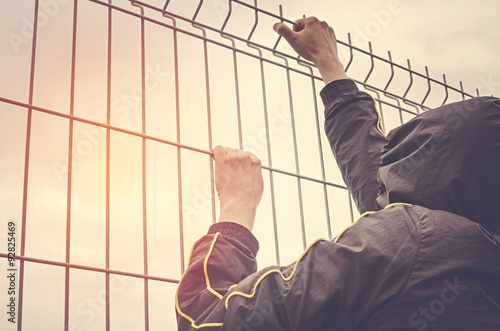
(108, 129)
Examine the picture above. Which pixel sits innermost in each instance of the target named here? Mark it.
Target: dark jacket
(424, 255)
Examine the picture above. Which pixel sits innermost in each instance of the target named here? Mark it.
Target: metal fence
(138, 94)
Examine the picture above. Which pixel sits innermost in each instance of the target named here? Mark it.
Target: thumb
(219, 154)
(219, 157)
(283, 30)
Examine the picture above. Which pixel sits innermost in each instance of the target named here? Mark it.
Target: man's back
(442, 275)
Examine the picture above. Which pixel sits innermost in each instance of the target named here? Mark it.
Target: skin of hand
(315, 42)
(239, 184)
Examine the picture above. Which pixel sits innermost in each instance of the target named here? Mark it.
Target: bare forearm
(330, 70)
(242, 213)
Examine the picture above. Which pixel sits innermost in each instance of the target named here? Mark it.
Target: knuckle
(248, 156)
(256, 160)
(313, 19)
(252, 158)
(240, 156)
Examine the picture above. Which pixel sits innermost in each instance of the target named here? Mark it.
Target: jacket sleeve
(332, 286)
(352, 125)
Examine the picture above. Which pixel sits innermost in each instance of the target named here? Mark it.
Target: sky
(458, 39)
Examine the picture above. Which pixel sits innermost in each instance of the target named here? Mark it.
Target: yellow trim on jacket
(378, 115)
(271, 272)
(205, 268)
(207, 281)
(368, 213)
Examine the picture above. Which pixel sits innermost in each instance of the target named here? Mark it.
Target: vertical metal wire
(386, 88)
(372, 66)
(108, 160)
(235, 69)
(144, 199)
(428, 85)
(266, 120)
(351, 56)
(412, 104)
(26, 167)
(257, 10)
(294, 137)
(445, 90)
(178, 136)
(70, 167)
(320, 146)
(209, 111)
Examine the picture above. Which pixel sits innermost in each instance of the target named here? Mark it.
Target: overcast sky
(456, 38)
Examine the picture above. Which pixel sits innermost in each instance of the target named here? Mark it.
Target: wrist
(331, 69)
(240, 212)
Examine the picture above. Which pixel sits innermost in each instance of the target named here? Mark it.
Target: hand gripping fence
(243, 31)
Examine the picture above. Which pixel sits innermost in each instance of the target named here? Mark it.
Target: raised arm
(352, 122)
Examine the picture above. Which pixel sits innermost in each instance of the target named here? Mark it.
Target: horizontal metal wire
(153, 138)
(89, 268)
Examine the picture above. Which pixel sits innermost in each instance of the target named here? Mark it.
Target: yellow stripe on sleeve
(378, 115)
(191, 320)
(250, 295)
(205, 268)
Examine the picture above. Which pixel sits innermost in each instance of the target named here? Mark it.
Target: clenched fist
(315, 41)
(239, 183)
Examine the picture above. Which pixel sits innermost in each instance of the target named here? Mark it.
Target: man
(425, 254)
